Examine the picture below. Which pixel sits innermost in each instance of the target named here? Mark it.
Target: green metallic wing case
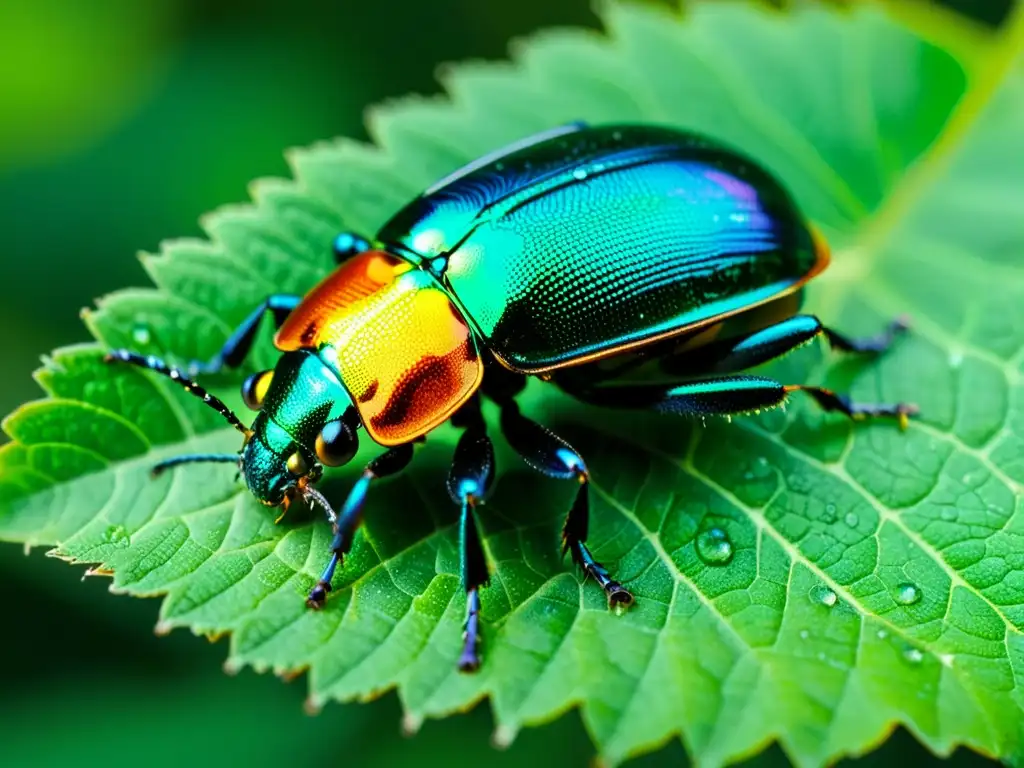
(583, 242)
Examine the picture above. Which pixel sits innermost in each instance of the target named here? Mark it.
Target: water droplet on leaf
(851, 519)
(907, 594)
(948, 514)
(804, 634)
(913, 655)
(141, 335)
(881, 634)
(115, 534)
(714, 547)
(823, 595)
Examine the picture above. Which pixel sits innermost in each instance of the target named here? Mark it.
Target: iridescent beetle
(579, 255)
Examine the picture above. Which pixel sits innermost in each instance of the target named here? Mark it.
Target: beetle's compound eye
(336, 444)
(297, 464)
(254, 389)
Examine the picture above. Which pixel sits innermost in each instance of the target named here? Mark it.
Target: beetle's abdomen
(623, 257)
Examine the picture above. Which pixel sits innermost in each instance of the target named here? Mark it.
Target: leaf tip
(163, 628)
(411, 724)
(312, 706)
(503, 737)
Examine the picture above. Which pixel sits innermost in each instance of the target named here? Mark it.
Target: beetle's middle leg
(470, 478)
(346, 522)
(549, 454)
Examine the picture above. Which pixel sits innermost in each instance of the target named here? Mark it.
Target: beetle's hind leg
(238, 345)
(732, 395)
(469, 480)
(549, 454)
(732, 355)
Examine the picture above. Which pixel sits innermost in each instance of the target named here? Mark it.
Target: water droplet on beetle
(141, 335)
(579, 174)
(913, 655)
(714, 547)
(851, 519)
(907, 594)
(824, 595)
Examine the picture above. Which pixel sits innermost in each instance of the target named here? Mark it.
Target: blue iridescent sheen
(598, 239)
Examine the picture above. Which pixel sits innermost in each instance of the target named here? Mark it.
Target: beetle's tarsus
(469, 660)
(318, 595)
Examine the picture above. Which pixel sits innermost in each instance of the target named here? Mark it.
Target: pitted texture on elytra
(633, 233)
(405, 355)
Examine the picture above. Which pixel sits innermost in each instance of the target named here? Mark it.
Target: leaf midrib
(902, 198)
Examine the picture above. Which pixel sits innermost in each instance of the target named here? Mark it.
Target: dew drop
(913, 655)
(956, 358)
(141, 335)
(580, 174)
(881, 634)
(748, 475)
(851, 519)
(115, 534)
(762, 461)
(948, 514)
(714, 547)
(804, 634)
(822, 594)
(907, 594)
(830, 508)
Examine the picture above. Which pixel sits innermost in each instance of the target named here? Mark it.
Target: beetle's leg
(348, 244)
(468, 482)
(346, 522)
(738, 354)
(546, 452)
(235, 349)
(870, 344)
(729, 395)
(830, 401)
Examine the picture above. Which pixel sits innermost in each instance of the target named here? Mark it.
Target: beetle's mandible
(585, 255)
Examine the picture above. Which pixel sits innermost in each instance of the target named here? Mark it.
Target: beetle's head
(305, 422)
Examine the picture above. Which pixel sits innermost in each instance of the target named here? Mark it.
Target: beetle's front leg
(346, 523)
(238, 345)
(546, 452)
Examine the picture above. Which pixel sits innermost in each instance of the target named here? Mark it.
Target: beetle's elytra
(584, 255)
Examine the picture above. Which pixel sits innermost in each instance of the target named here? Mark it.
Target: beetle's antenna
(155, 364)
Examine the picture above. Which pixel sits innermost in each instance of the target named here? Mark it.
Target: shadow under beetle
(601, 259)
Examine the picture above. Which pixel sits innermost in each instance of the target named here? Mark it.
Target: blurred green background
(121, 122)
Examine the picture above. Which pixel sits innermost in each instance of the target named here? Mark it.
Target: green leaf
(876, 577)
